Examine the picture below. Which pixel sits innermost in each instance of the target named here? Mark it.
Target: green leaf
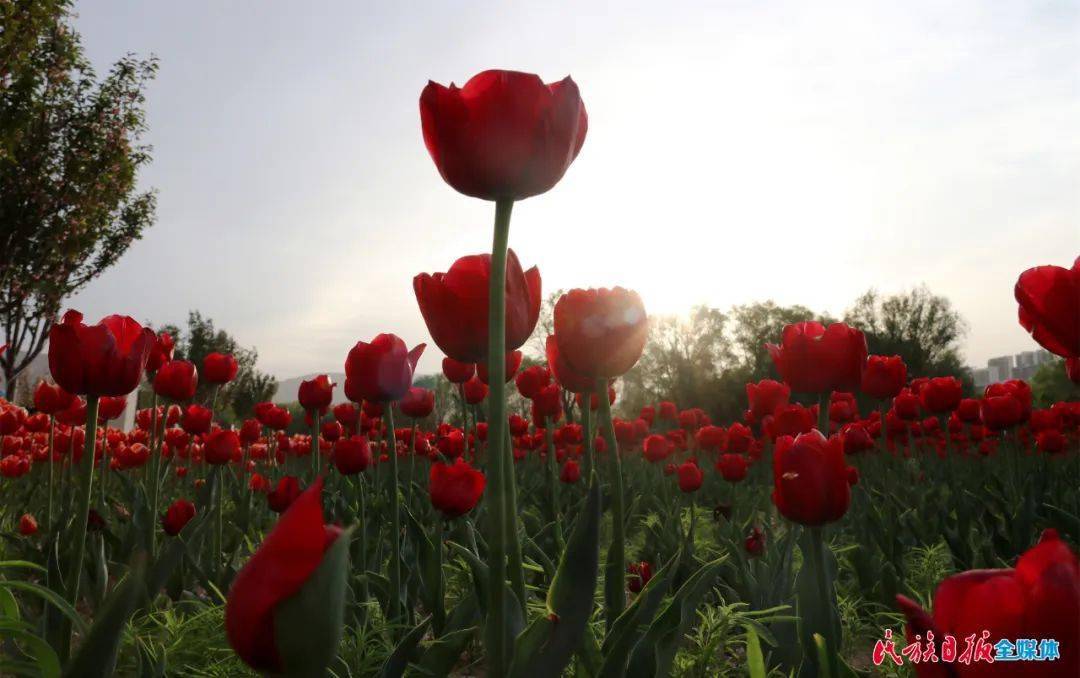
(308, 624)
(97, 654)
(398, 661)
(546, 646)
(822, 650)
(755, 662)
(440, 656)
(628, 628)
(52, 598)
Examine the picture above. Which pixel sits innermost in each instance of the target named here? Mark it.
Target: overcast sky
(737, 151)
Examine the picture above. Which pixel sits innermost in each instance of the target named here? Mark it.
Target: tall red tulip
(455, 305)
(50, 398)
(316, 394)
(814, 359)
(455, 488)
(600, 332)
(352, 455)
(505, 134)
(532, 380)
(161, 352)
(732, 467)
(474, 391)
(176, 380)
(382, 370)
(106, 359)
(690, 477)
(569, 378)
(941, 394)
(221, 446)
(287, 558)
(179, 513)
(220, 368)
(765, 396)
(810, 479)
(418, 402)
(1049, 298)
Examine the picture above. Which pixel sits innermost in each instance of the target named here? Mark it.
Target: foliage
(70, 154)
(1050, 384)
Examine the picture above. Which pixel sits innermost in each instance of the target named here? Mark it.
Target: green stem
(395, 517)
(553, 480)
(82, 513)
(826, 596)
(587, 435)
(617, 552)
(517, 570)
(315, 465)
(52, 473)
(497, 641)
(155, 477)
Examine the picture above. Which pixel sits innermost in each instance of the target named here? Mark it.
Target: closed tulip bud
(286, 492)
(51, 398)
(315, 394)
(161, 352)
(455, 488)
(548, 402)
(457, 372)
(941, 394)
(814, 359)
(111, 407)
(1049, 299)
(906, 405)
(27, 525)
(884, 376)
(381, 371)
(106, 359)
(219, 368)
(1017, 388)
(968, 410)
(570, 473)
(455, 307)
(656, 448)
(1001, 412)
(452, 444)
(258, 483)
(600, 332)
(331, 431)
(196, 419)
(732, 467)
(475, 391)
(221, 446)
(179, 513)
(639, 576)
(352, 455)
(418, 402)
(504, 134)
(690, 477)
(176, 380)
(532, 380)
(739, 438)
(810, 479)
(791, 420)
(250, 431)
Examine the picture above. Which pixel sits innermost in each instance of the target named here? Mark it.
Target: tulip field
(856, 520)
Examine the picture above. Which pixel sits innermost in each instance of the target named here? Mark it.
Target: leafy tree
(919, 326)
(235, 400)
(1050, 384)
(69, 158)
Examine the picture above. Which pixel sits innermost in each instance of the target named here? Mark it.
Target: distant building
(1020, 366)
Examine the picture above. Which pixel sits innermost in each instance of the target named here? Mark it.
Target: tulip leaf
(97, 654)
(398, 661)
(547, 645)
(440, 656)
(755, 662)
(308, 624)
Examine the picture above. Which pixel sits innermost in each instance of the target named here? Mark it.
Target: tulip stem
(497, 641)
(588, 439)
(395, 517)
(617, 553)
(52, 463)
(556, 514)
(517, 571)
(82, 514)
(155, 476)
(315, 465)
(827, 597)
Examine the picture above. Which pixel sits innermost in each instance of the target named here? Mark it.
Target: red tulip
(941, 394)
(250, 431)
(457, 372)
(475, 391)
(998, 413)
(532, 380)
(196, 419)
(732, 467)
(1049, 298)
(567, 376)
(513, 363)
(176, 380)
(219, 368)
(288, 556)
(600, 332)
(639, 576)
(346, 414)
(417, 403)
(452, 444)
(656, 448)
(810, 479)
(455, 488)
(814, 359)
(548, 403)
(50, 399)
(906, 405)
(316, 394)
(967, 410)
(739, 439)
(106, 359)
(505, 134)
(161, 352)
(1051, 441)
(258, 483)
(765, 396)
(884, 376)
(278, 418)
(352, 455)
(331, 431)
(455, 305)
(791, 420)
(1017, 388)
(690, 477)
(755, 542)
(286, 492)
(570, 473)
(221, 446)
(1039, 598)
(381, 371)
(710, 438)
(111, 407)
(27, 525)
(179, 513)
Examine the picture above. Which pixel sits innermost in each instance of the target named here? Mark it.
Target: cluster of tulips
(369, 516)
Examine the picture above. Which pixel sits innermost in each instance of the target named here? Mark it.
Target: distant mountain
(287, 388)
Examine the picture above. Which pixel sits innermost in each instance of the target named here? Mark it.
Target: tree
(1050, 385)
(69, 158)
(235, 400)
(759, 323)
(919, 326)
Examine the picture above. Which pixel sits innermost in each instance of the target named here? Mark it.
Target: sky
(737, 151)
